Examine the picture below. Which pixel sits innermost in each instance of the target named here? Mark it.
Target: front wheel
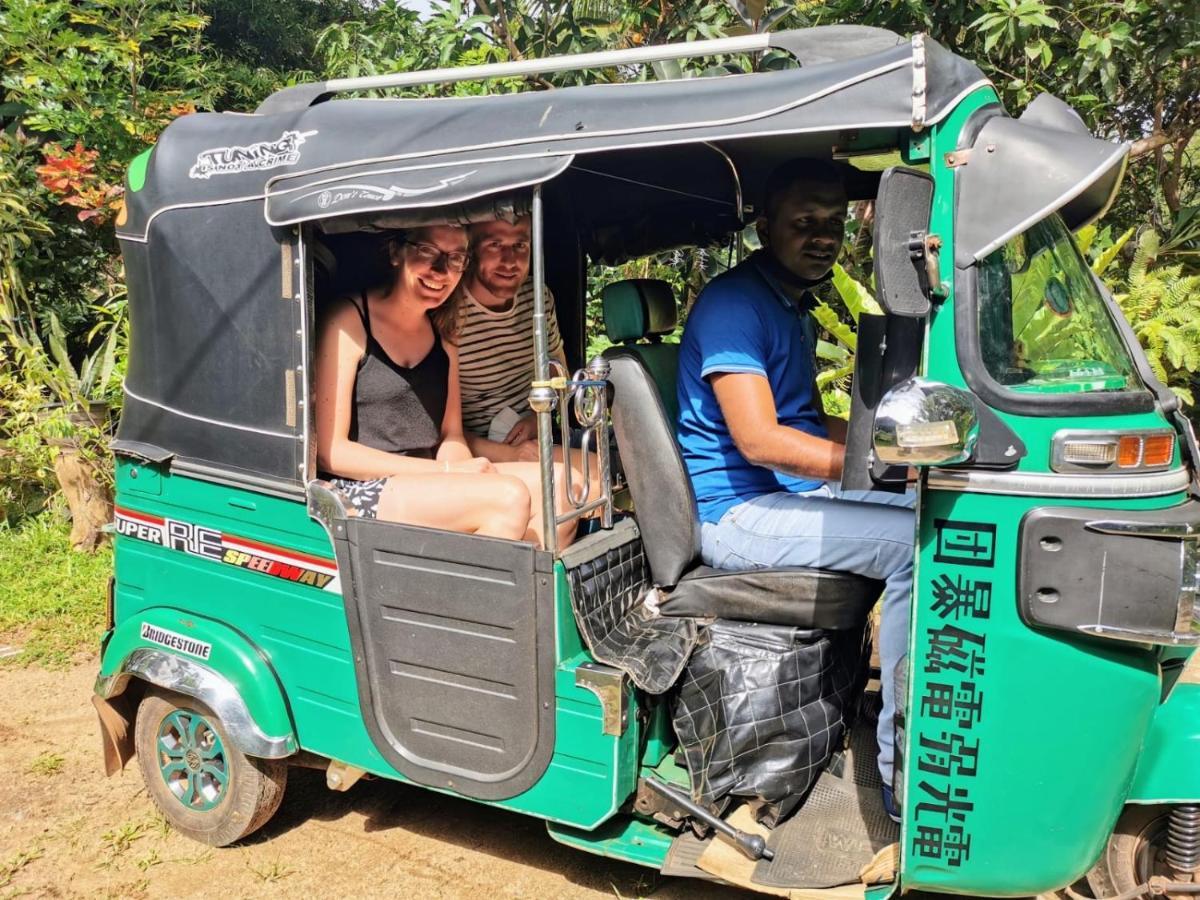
(205, 786)
(1134, 853)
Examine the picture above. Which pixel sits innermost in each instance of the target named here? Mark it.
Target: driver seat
(667, 516)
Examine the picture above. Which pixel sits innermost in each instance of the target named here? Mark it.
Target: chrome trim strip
(1130, 635)
(1039, 484)
(184, 676)
(1177, 531)
(1189, 573)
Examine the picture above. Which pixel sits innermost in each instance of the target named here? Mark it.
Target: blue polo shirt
(742, 322)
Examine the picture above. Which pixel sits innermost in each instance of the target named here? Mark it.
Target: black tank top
(396, 408)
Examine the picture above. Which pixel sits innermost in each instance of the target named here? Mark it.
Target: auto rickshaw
(1050, 714)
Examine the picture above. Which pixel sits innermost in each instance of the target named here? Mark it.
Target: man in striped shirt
(495, 342)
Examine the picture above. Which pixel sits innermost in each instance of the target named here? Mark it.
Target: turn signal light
(1095, 451)
(1129, 451)
(1158, 449)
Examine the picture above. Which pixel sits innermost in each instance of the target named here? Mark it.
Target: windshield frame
(975, 372)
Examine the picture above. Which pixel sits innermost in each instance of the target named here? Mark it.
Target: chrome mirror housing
(925, 423)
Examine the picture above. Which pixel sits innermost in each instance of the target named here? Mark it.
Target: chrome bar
(564, 63)
(599, 369)
(1037, 484)
(585, 444)
(587, 393)
(542, 399)
(586, 508)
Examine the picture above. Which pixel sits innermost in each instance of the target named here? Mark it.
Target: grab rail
(793, 42)
(586, 391)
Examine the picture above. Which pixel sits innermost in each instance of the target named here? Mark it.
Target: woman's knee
(509, 496)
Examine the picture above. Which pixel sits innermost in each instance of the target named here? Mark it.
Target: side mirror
(925, 423)
(905, 252)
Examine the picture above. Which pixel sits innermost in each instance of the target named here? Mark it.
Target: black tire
(194, 799)
(1133, 852)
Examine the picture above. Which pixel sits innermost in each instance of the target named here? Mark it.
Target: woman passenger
(389, 422)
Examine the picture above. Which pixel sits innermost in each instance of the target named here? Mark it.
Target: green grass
(51, 597)
(47, 763)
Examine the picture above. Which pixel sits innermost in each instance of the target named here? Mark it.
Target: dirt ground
(67, 831)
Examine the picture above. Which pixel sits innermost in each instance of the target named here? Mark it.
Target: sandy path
(66, 831)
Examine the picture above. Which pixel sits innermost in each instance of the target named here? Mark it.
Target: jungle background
(86, 85)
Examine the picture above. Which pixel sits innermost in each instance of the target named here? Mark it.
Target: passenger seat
(637, 313)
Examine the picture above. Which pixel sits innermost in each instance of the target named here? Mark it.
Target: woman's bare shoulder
(344, 314)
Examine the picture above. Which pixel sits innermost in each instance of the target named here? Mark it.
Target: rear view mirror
(925, 423)
(903, 246)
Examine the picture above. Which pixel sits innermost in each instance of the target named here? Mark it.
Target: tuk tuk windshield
(1043, 325)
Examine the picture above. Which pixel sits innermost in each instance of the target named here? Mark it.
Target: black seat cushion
(804, 598)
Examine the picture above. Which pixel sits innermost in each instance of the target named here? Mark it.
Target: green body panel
(1169, 769)
(623, 837)
(137, 170)
(299, 633)
(1019, 744)
(232, 657)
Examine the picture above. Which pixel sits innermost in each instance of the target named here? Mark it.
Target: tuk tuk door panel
(454, 652)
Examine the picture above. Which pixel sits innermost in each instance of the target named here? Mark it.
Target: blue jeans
(870, 533)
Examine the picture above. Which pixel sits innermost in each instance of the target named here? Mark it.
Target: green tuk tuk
(1049, 723)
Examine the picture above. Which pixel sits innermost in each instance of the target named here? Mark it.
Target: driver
(764, 458)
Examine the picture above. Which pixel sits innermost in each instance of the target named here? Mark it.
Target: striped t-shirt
(495, 356)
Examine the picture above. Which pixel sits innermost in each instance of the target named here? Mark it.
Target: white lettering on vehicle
(283, 151)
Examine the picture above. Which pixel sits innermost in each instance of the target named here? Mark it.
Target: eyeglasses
(429, 255)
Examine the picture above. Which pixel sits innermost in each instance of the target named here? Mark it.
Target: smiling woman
(389, 420)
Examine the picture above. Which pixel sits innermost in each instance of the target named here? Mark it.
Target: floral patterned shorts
(362, 495)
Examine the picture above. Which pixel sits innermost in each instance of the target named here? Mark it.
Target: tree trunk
(88, 499)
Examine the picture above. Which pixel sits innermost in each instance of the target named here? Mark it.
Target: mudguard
(199, 658)
(1169, 768)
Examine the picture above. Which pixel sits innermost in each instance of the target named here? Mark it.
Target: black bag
(760, 710)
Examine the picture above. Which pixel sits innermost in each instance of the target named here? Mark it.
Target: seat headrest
(638, 308)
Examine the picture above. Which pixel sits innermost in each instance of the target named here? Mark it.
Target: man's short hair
(802, 169)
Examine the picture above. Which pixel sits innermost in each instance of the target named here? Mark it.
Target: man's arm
(749, 410)
(837, 427)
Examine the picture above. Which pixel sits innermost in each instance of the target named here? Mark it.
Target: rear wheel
(1134, 853)
(205, 786)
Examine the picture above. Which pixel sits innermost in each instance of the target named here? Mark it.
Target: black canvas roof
(345, 154)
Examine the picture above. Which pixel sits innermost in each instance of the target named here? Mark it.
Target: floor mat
(682, 857)
(839, 830)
